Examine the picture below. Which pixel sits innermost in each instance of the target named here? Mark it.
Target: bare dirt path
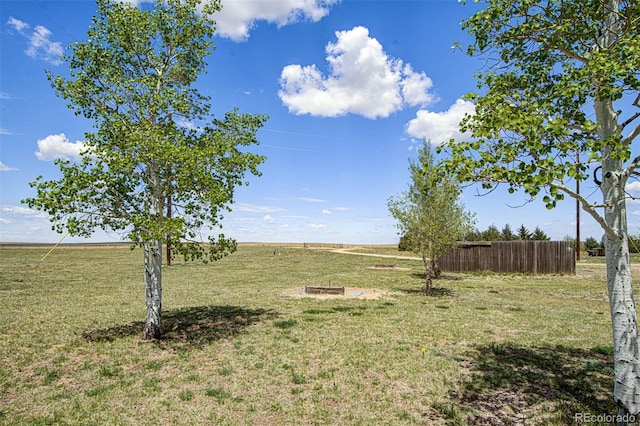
(388, 256)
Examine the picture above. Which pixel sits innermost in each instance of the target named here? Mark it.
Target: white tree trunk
(626, 391)
(622, 305)
(626, 350)
(153, 289)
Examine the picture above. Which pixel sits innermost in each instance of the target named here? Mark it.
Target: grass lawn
(488, 349)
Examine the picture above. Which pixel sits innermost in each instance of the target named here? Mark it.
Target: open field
(488, 349)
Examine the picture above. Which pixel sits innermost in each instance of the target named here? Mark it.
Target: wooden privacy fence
(536, 257)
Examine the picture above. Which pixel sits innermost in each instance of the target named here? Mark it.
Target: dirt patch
(349, 293)
(389, 268)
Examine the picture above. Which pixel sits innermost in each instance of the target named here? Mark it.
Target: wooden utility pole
(577, 205)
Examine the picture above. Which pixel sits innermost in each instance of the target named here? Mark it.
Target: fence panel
(536, 257)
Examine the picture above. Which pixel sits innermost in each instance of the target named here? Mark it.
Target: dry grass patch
(490, 349)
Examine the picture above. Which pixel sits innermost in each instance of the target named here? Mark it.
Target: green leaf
(550, 92)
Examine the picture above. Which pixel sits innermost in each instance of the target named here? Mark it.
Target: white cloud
(440, 127)
(633, 186)
(30, 225)
(325, 211)
(253, 208)
(9, 211)
(40, 45)
(363, 80)
(187, 124)
(415, 87)
(17, 24)
(268, 218)
(55, 147)
(310, 200)
(237, 18)
(5, 168)
(317, 225)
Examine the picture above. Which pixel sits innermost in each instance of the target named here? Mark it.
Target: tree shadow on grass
(510, 384)
(435, 291)
(443, 277)
(192, 326)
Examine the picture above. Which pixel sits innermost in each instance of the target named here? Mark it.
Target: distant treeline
(492, 233)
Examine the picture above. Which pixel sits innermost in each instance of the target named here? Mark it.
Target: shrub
(591, 243)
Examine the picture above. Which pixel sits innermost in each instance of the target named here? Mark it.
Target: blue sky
(351, 87)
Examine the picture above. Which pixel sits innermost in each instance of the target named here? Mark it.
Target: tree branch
(631, 168)
(632, 135)
(579, 128)
(626, 123)
(588, 208)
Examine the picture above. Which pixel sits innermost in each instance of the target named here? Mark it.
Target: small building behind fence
(535, 257)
